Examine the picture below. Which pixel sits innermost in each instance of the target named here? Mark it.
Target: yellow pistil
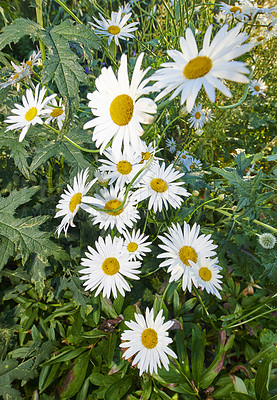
(184, 156)
(234, 9)
(112, 205)
(56, 112)
(113, 29)
(260, 38)
(110, 266)
(197, 115)
(257, 88)
(31, 114)
(16, 76)
(186, 254)
(29, 63)
(145, 155)
(197, 67)
(159, 185)
(205, 274)
(191, 166)
(124, 167)
(121, 109)
(149, 338)
(132, 246)
(75, 200)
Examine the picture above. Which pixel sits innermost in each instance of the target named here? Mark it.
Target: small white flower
(188, 161)
(267, 240)
(71, 201)
(159, 184)
(257, 87)
(107, 267)
(125, 9)
(31, 111)
(220, 18)
(171, 145)
(198, 117)
(114, 28)
(182, 246)
(147, 151)
(101, 177)
(55, 113)
(136, 245)
(205, 273)
(148, 340)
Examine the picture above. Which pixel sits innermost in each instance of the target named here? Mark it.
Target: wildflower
(148, 151)
(107, 267)
(31, 111)
(136, 245)
(56, 112)
(267, 240)
(220, 18)
(198, 117)
(119, 110)
(257, 87)
(125, 9)
(191, 69)
(159, 184)
(101, 177)
(182, 246)
(205, 273)
(71, 201)
(111, 199)
(171, 145)
(148, 340)
(114, 28)
(188, 161)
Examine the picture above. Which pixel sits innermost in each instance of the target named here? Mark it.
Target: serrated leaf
(6, 250)
(74, 157)
(10, 370)
(19, 28)
(16, 198)
(18, 152)
(43, 154)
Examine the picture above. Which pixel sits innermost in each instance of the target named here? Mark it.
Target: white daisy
(181, 247)
(208, 114)
(19, 73)
(136, 245)
(241, 11)
(198, 117)
(188, 161)
(101, 177)
(119, 110)
(55, 112)
(114, 28)
(112, 199)
(209, 67)
(148, 340)
(220, 18)
(146, 151)
(72, 200)
(159, 184)
(205, 273)
(120, 167)
(267, 240)
(257, 87)
(31, 111)
(107, 266)
(171, 145)
(125, 9)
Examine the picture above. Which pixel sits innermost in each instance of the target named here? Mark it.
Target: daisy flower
(101, 177)
(55, 112)
(136, 245)
(119, 110)
(110, 199)
(188, 161)
(147, 151)
(267, 240)
(208, 114)
(192, 69)
(31, 111)
(125, 9)
(205, 273)
(107, 267)
(241, 10)
(159, 184)
(220, 18)
(147, 339)
(19, 73)
(120, 167)
(114, 28)
(257, 87)
(72, 200)
(182, 246)
(171, 145)
(198, 117)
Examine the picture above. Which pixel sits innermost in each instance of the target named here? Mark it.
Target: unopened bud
(195, 193)
(221, 196)
(184, 111)
(234, 208)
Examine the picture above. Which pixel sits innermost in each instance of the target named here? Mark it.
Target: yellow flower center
(112, 205)
(29, 63)
(56, 112)
(184, 156)
(113, 29)
(186, 254)
(124, 167)
(197, 67)
(191, 166)
(257, 88)
(159, 185)
(234, 9)
(149, 338)
(197, 115)
(110, 266)
(75, 200)
(145, 155)
(132, 246)
(31, 114)
(16, 76)
(205, 274)
(260, 38)
(121, 109)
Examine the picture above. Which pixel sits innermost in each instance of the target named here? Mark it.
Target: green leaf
(241, 396)
(75, 377)
(11, 370)
(6, 250)
(47, 375)
(19, 28)
(18, 151)
(262, 378)
(43, 154)
(119, 389)
(198, 353)
(74, 157)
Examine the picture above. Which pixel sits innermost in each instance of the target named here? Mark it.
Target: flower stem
(66, 9)
(39, 15)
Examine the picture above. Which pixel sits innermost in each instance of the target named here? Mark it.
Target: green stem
(39, 14)
(165, 129)
(66, 9)
(201, 205)
(204, 307)
(251, 319)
